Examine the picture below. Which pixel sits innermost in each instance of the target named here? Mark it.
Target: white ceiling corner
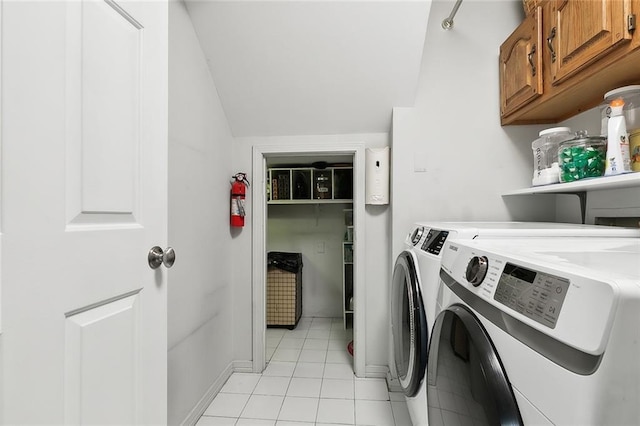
(311, 67)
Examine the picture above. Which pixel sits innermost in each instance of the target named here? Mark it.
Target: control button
(425, 245)
(476, 270)
(417, 235)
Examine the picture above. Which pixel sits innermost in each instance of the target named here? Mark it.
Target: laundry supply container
(545, 155)
(284, 289)
(582, 157)
(634, 150)
(631, 97)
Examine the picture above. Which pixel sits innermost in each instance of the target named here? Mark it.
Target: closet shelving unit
(307, 185)
(347, 271)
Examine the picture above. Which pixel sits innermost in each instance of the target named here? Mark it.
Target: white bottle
(618, 158)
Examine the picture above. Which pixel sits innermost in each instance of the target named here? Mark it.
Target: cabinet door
(521, 65)
(584, 32)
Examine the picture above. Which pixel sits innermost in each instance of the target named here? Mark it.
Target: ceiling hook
(447, 23)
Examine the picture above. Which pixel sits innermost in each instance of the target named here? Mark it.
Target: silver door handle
(158, 257)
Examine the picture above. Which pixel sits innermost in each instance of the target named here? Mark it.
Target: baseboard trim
(199, 409)
(393, 384)
(376, 371)
(243, 366)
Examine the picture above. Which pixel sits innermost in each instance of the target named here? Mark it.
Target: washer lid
(594, 256)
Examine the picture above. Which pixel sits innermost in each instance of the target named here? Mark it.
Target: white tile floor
(308, 381)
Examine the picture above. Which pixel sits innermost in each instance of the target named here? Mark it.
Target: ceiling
(302, 67)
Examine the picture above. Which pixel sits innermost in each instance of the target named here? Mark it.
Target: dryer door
(409, 324)
(466, 382)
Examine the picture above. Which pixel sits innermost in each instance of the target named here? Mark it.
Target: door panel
(521, 65)
(586, 31)
(101, 374)
(84, 169)
(110, 57)
(104, 56)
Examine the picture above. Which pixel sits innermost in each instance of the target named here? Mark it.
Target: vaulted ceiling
(303, 67)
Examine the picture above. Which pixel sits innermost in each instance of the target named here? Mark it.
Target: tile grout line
(322, 376)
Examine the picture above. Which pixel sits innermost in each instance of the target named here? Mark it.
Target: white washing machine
(537, 331)
(415, 285)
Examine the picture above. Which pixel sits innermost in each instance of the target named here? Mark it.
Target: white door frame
(259, 242)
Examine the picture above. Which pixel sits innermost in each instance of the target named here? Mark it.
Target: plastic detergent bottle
(618, 159)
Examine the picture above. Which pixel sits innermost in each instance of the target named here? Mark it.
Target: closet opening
(310, 207)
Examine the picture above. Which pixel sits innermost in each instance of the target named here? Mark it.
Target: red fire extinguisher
(239, 185)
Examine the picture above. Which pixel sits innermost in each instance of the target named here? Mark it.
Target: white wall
(199, 301)
(451, 158)
(377, 267)
(317, 232)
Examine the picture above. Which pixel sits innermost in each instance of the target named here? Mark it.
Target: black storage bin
(284, 289)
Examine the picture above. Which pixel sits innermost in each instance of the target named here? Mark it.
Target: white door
(84, 198)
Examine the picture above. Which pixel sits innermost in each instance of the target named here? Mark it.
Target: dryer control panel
(435, 241)
(536, 295)
(530, 284)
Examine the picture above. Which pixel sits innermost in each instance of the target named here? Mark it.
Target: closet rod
(447, 24)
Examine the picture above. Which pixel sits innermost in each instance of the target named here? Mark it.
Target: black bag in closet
(290, 262)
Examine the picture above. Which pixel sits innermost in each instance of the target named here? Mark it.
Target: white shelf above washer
(582, 187)
(628, 180)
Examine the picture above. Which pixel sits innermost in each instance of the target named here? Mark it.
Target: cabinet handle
(552, 35)
(530, 58)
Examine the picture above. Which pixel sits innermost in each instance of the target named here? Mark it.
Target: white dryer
(537, 331)
(415, 285)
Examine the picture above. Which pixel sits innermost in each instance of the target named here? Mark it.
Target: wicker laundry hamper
(284, 289)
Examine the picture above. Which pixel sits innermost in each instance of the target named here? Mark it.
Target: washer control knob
(417, 235)
(476, 270)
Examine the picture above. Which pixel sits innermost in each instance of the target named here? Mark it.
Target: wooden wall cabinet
(585, 31)
(584, 49)
(521, 65)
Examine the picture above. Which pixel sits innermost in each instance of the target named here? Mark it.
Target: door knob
(158, 257)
